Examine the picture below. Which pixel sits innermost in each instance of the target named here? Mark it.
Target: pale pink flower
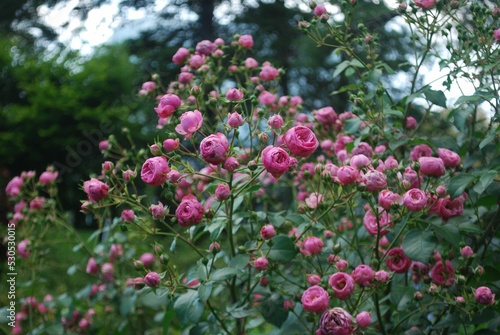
(189, 124)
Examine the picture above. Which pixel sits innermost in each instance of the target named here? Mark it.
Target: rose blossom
(484, 296)
(363, 275)
(246, 41)
(276, 161)
(95, 189)
(267, 232)
(335, 321)
(312, 246)
(180, 56)
(363, 319)
(397, 261)
(382, 276)
(326, 115)
(234, 94)
(13, 188)
(168, 104)
(374, 180)
(231, 164)
(234, 120)
(347, 175)
(431, 166)
(450, 159)
(376, 226)
(443, 273)
(261, 263)
(92, 267)
(267, 98)
(214, 148)
(47, 177)
(127, 215)
(147, 259)
(275, 121)
(154, 171)
(190, 211)
(152, 279)
(171, 144)
(23, 249)
(425, 4)
(447, 208)
(268, 73)
(387, 198)
(421, 150)
(222, 192)
(315, 299)
(301, 141)
(415, 200)
(359, 161)
(189, 124)
(411, 123)
(496, 35)
(342, 285)
(313, 279)
(251, 63)
(466, 252)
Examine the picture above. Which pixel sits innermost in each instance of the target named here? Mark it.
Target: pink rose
(47, 177)
(261, 263)
(363, 319)
(23, 249)
(152, 279)
(171, 144)
(147, 259)
(246, 41)
(363, 275)
(397, 261)
(447, 208)
(190, 211)
(189, 124)
(387, 198)
(251, 63)
(234, 94)
(231, 164)
(127, 215)
(268, 73)
(168, 104)
(315, 299)
(234, 120)
(312, 246)
(335, 321)
(443, 274)
(411, 123)
(421, 150)
(95, 189)
(267, 98)
(222, 192)
(374, 180)
(425, 4)
(267, 232)
(450, 159)
(154, 171)
(359, 161)
(314, 199)
(382, 276)
(342, 285)
(185, 77)
(313, 279)
(180, 56)
(214, 148)
(347, 175)
(466, 252)
(13, 188)
(376, 226)
(415, 200)
(276, 161)
(92, 267)
(326, 115)
(301, 141)
(275, 121)
(484, 296)
(196, 61)
(205, 47)
(319, 10)
(431, 166)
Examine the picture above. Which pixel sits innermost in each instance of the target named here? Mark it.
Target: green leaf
(458, 184)
(272, 310)
(283, 249)
(167, 319)
(448, 232)
(401, 296)
(396, 143)
(436, 97)
(224, 274)
(188, 307)
(341, 67)
(484, 181)
(72, 270)
(352, 125)
(239, 262)
(487, 140)
(467, 99)
(204, 291)
(469, 227)
(419, 245)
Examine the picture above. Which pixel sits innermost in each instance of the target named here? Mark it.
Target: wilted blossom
(335, 321)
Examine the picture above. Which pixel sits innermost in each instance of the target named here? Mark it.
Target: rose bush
(279, 218)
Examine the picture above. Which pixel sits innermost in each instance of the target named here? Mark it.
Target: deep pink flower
(171, 144)
(387, 198)
(312, 246)
(446, 208)
(372, 226)
(189, 124)
(275, 121)
(147, 259)
(313, 279)
(374, 180)
(180, 56)
(267, 232)
(425, 4)
(301, 141)
(23, 249)
(342, 285)
(411, 123)
(251, 63)
(205, 47)
(127, 215)
(152, 279)
(347, 175)
(92, 267)
(267, 98)
(234, 120)
(190, 211)
(214, 148)
(363, 319)
(231, 164)
(48, 177)
(315, 299)
(415, 200)
(154, 171)
(483, 295)
(234, 94)
(336, 321)
(167, 105)
(326, 115)
(496, 35)
(359, 161)
(382, 276)
(261, 263)
(95, 189)
(466, 252)
(185, 77)
(450, 159)
(222, 192)
(268, 73)
(421, 150)
(363, 275)
(431, 166)
(196, 61)
(246, 41)
(443, 274)
(275, 160)
(397, 261)
(13, 188)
